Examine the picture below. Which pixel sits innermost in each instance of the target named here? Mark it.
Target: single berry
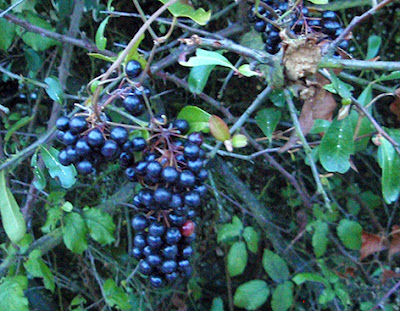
(330, 27)
(170, 251)
(171, 277)
(139, 241)
(133, 105)
(202, 175)
(133, 69)
(84, 167)
(77, 125)
(181, 125)
(119, 134)
(127, 146)
(176, 220)
(191, 214)
(70, 138)
(192, 199)
(176, 201)
(72, 155)
(60, 135)
(95, 138)
(154, 260)
(195, 138)
(62, 123)
(110, 149)
(140, 222)
(150, 157)
(140, 168)
(189, 239)
(156, 228)
(260, 25)
(136, 201)
(82, 147)
(154, 241)
(138, 144)
(145, 90)
(147, 251)
(183, 264)
(130, 174)
(126, 159)
(169, 174)
(195, 165)
(329, 15)
(162, 196)
(153, 168)
(168, 266)
(187, 252)
(145, 268)
(156, 281)
(137, 253)
(187, 179)
(201, 190)
(63, 158)
(172, 236)
(188, 228)
(315, 23)
(191, 151)
(146, 196)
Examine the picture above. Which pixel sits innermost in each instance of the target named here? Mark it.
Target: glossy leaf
(336, 146)
(179, 9)
(267, 119)
(102, 57)
(40, 180)
(100, 225)
(13, 222)
(12, 296)
(196, 117)
(278, 98)
(251, 295)
(320, 238)
(239, 141)
(339, 87)
(374, 44)
(54, 89)
(198, 78)
(275, 266)
(66, 174)
(217, 304)
(204, 57)
(101, 41)
(252, 239)
(115, 296)
(218, 128)
(349, 232)
(38, 269)
(74, 233)
(237, 259)
(282, 297)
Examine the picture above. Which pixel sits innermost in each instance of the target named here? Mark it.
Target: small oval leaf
(251, 295)
(237, 259)
(196, 117)
(218, 128)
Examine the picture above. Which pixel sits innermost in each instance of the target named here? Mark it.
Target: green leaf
(320, 238)
(251, 295)
(326, 296)
(198, 78)
(395, 75)
(239, 141)
(78, 300)
(247, 72)
(53, 216)
(24, 6)
(134, 54)
(275, 266)
(267, 119)
(349, 232)
(7, 34)
(389, 162)
(40, 181)
(204, 57)
(13, 222)
(101, 41)
(38, 269)
(179, 9)
(217, 304)
(66, 174)
(339, 87)
(218, 128)
(309, 277)
(252, 238)
(229, 232)
(341, 291)
(16, 126)
(237, 259)
(320, 126)
(282, 297)
(115, 296)
(12, 296)
(67, 207)
(74, 233)
(336, 146)
(278, 98)
(197, 118)
(319, 1)
(374, 44)
(100, 224)
(54, 89)
(103, 57)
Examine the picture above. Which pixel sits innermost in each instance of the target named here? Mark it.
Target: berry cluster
(170, 167)
(301, 22)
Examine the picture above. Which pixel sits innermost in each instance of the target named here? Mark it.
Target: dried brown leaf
(395, 241)
(389, 274)
(372, 243)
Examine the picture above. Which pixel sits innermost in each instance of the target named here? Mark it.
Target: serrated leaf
(179, 9)
(237, 259)
(196, 117)
(66, 174)
(349, 233)
(309, 277)
(320, 238)
(12, 296)
(74, 233)
(54, 89)
(101, 41)
(198, 78)
(13, 222)
(217, 304)
(374, 44)
(336, 146)
(247, 72)
(252, 238)
(218, 128)
(53, 216)
(204, 57)
(100, 224)
(267, 119)
(239, 141)
(389, 162)
(251, 295)
(115, 296)
(38, 269)
(7, 34)
(275, 266)
(282, 297)
(40, 181)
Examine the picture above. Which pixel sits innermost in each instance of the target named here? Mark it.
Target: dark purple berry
(140, 222)
(130, 174)
(138, 144)
(63, 158)
(162, 196)
(187, 179)
(95, 138)
(145, 268)
(119, 134)
(154, 241)
(181, 125)
(72, 155)
(84, 167)
(168, 266)
(153, 168)
(146, 196)
(137, 253)
(191, 151)
(140, 168)
(187, 252)
(126, 159)
(329, 15)
(110, 149)
(133, 105)
(82, 147)
(156, 228)
(156, 281)
(202, 175)
(171, 277)
(133, 69)
(260, 25)
(77, 125)
(192, 199)
(176, 201)
(62, 123)
(195, 165)
(195, 138)
(172, 236)
(154, 260)
(169, 174)
(201, 190)
(170, 251)
(70, 138)
(139, 241)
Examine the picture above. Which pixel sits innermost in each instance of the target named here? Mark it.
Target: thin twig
(355, 64)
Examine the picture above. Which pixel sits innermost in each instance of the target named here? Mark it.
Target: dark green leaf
(53, 216)
(251, 295)
(38, 269)
(275, 266)
(74, 233)
(278, 98)
(12, 296)
(320, 126)
(374, 44)
(54, 89)
(339, 87)
(101, 41)
(100, 224)
(11, 217)
(320, 238)
(217, 304)
(179, 9)
(218, 128)
(349, 232)
(115, 296)
(66, 174)
(40, 180)
(282, 297)
(267, 120)
(198, 78)
(7, 34)
(197, 118)
(252, 238)
(237, 259)
(336, 146)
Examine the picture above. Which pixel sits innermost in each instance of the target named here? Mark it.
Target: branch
(355, 64)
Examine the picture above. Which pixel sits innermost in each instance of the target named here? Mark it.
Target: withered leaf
(395, 241)
(372, 243)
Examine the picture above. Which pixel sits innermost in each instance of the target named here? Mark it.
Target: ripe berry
(70, 138)
(172, 236)
(60, 135)
(62, 123)
(138, 144)
(181, 125)
(154, 241)
(145, 268)
(169, 174)
(195, 165)
(176, 220)
(140, 168)
(195, 138)
(153, 260)
(147, 251)
(71, 153)
(150, 157)
(162, 196)
(188, 228)
(187, 179)
(192, 199)
(330, 27)
(156, 228)
(63, 158)
(201, 190)
(95, 138)
(119, 134)
(191, 151)
(139, 222)
(82, 147)
(156, 281)
(183, 264)
(187, 252)
(110, 149)
(126, 159)
(170, 251)
(168, 266)
(329, 15)
(153, 168)
(176, 201)
(146, 91)
(84, 167)
(133, 105)
(77, 125)
(130, 174)
(191, 214)
(314, 23)
(146, 196)
(259, 26)
(202, 175)
(127, 146)
(139, 241)
(171, 277)
(137, 253)
(133, 69)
